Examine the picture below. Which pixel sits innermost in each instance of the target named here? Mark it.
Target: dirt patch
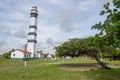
(83, 67)
(114, 66)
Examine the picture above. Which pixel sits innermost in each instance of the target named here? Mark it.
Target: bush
(6, 55)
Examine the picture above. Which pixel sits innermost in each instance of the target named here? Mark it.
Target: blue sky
(58, 21)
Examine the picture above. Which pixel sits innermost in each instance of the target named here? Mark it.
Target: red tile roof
(25, 51)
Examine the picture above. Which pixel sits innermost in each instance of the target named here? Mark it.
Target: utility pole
(25, 55)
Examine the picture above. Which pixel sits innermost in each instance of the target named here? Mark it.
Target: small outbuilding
(20, 54)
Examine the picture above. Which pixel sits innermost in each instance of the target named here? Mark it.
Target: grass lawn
(50, 70)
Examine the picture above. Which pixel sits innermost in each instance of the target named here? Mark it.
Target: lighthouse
(32, 35)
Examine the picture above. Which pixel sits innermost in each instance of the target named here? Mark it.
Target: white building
(20, 54)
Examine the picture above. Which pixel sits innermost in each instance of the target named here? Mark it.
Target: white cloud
(47, 31)
(86, 5)
(56, 2)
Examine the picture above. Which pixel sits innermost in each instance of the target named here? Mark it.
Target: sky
(58, 21)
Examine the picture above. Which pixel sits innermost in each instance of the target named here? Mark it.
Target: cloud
(85, 5)
(9, 32)
(21, 34)
(73, 12)
(65, 20)
(3, 43)
(56, 2)
(49, 41)
(18, 33)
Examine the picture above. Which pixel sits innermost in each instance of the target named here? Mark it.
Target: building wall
(31, 47)
(17, 54)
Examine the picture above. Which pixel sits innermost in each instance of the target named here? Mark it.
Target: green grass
(50, 70)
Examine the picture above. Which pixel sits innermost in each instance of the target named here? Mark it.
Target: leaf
(115, 10)
(102, 12)
(109, 11)
(106, 6)
(97, 26)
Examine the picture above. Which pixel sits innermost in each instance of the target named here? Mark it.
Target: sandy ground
(84, 67)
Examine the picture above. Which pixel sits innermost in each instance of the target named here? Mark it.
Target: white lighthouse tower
(32, 35)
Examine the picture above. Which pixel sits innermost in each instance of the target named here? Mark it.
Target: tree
(6, 55)
(88, 46)
(109, 29)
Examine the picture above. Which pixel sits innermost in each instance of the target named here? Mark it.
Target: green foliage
(116, 53)
(68, 48)
(85, 46)
(110, 28)
(6, 54)
(116, 3)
